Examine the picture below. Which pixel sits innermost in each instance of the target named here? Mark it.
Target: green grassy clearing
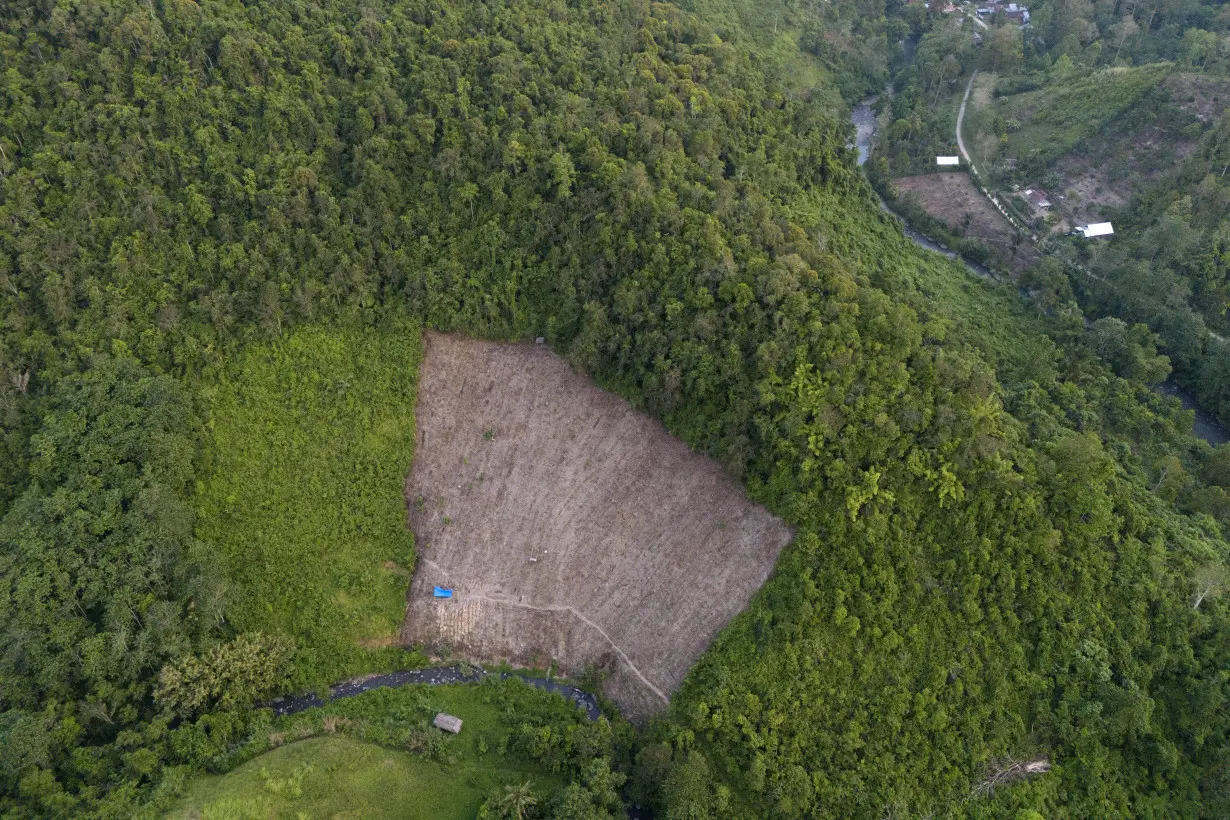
(312, 439)
(364, 770)
(1056, 119)
(332, 777)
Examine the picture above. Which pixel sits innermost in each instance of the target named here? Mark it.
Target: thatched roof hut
(448, 723)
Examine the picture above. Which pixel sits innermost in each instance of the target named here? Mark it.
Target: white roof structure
(1096, 229)
(947, 160)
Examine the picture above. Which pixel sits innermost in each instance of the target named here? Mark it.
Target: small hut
(448, 723)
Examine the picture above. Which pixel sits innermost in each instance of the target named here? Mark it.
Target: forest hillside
(1007, 547)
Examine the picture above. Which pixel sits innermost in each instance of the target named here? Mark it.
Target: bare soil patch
(1202, 95)
(570, 527)
(955, 199)
(1112, 168)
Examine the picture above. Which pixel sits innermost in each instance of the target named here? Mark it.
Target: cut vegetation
(954, 199)
(571, 528)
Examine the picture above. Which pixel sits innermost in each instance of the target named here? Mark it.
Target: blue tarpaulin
(442, 592)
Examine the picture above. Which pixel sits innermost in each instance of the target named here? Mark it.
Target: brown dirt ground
(951, 197)
(1110, 168)
(1203, 95)
(571, 527)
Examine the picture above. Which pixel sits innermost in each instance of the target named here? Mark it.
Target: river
(864, 119)
(435, 675)
(1205, 426)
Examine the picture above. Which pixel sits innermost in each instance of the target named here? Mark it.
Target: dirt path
(507, 602)
(961, 119)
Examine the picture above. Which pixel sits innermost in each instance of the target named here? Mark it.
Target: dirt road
(961, 120)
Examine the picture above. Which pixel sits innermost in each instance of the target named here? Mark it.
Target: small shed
(947, 160)
(442, 592)
(448, 723)
(1096, 229)
(1037, 198)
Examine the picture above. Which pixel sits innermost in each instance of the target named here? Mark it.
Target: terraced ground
(573, 529)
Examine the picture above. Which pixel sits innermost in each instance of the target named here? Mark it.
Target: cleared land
(1110, 167)
(955, 199)
(571, 527)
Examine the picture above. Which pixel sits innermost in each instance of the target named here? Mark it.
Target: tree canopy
(993, 561)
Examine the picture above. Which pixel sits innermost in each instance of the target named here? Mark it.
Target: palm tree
(516, 801)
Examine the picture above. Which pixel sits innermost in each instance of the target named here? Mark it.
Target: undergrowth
(312, 438)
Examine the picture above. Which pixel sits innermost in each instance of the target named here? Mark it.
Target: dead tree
(1005, 771)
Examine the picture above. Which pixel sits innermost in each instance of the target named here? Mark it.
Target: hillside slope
(570, 527)
(989, 562)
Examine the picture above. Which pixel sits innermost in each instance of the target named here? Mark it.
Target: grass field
(1057, 118)
(312, 439)
(341, 775)
(334, 777)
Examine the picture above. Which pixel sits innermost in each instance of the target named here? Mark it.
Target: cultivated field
(572, 528)
(955, 199)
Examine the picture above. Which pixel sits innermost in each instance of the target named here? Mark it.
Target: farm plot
(957, 201)
(571, 528)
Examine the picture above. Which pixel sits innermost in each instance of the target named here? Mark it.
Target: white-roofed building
(1095, 229)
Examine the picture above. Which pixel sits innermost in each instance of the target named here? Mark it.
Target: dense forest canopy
(1006, 547)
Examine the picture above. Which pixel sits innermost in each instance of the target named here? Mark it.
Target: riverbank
(864, 119)
(433, 676)
(1205, 426)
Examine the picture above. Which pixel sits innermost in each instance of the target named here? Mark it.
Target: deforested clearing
(571, 528)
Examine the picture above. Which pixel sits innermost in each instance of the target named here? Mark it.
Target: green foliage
(1071, 108)
(102, 580)
(513, 802)
(988, 562)
(233, 675)
(312, 437)
(480, 767)
(1131, 351)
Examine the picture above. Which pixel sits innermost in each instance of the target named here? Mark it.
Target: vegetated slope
(571, 527)
(1094, 142)
(311, 437)
(377, 755)
(1146, 141)
(988, 563)
(1072, 107)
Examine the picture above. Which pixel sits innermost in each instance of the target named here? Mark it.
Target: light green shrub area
(312, 439)
(1058, 118)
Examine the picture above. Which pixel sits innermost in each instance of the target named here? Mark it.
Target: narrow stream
(290, 704)
(1205, 426)
(864, 119)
